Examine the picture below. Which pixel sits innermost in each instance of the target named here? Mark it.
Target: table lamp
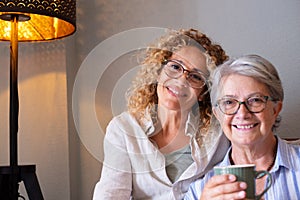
(24, 21)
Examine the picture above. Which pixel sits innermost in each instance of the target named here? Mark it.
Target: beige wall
(68, 164)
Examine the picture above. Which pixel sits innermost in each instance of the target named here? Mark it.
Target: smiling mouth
(244, 127)
(176, 92)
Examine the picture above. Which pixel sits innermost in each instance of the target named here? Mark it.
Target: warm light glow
(49, 19)
(38, 28)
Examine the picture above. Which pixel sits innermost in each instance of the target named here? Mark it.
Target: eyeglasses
(254, 104)
(175, 69)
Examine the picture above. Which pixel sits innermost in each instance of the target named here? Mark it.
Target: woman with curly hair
(168, 137)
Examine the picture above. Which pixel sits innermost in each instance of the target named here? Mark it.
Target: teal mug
(248, 174)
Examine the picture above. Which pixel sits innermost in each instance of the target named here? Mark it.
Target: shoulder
(124, 126)
(289, 146)
(124, 117)
(293, 141)
(289, 154)
(122, 121)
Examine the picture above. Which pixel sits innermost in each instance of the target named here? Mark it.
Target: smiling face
(176, 94)
(244, 127)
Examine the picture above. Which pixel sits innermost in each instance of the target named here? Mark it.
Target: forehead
(192, 57)
(241, 86)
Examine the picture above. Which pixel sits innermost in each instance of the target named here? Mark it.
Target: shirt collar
(283, 157)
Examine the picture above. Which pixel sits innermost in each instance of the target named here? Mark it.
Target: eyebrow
(250, 95)
(229, 96)
(193, 69)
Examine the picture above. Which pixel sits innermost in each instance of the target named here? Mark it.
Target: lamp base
(25, 173)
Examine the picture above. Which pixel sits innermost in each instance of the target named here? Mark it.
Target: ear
(216, 113)
(277, 108)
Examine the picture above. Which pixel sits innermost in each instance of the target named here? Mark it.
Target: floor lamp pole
(12, 175)
(14, 104)
(14, 96)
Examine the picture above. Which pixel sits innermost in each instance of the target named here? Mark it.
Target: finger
(223, 187)
(220, 179)
(231, 196)
(229, 188)
(211, 195)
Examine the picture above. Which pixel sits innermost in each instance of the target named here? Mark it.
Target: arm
(116, 178)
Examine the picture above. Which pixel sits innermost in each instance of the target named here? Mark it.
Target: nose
(184, 75)
(242, 110)
(181, 82)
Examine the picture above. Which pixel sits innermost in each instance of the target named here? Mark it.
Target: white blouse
(134, 168)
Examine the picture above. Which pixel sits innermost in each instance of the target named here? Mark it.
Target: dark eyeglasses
(175, 69)
(254, 104)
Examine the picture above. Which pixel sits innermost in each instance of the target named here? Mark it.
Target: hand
(224, 187)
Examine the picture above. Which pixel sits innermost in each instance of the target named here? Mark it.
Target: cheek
(195, 97)
(196, 94)
(268, 120)
(225, 122)
(269, 116)
(162, 78)
(158, 89)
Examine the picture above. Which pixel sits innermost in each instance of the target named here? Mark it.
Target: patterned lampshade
(39, 19)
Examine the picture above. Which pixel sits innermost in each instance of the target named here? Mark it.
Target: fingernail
(243, 185)
(242, 194)
(231, 177)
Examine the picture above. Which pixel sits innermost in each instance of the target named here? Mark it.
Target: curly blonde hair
(142, 93)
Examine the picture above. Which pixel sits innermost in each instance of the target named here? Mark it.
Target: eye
(196, 77)
(255, 101)
(174, 66)
(227, 102)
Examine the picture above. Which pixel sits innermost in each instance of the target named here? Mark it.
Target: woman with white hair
(247, 97)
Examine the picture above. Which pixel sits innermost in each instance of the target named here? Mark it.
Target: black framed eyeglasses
(254, 104)
(175, 69)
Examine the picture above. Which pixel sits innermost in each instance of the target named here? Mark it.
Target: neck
(171, 120)
(171, 135)
(263, 161)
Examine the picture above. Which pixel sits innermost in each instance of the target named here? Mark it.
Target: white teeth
(174, 91)
(245, 127)
(178, 93)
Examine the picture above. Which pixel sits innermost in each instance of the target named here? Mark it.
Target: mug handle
(260, 174)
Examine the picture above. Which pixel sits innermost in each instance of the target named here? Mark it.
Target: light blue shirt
(285, 174)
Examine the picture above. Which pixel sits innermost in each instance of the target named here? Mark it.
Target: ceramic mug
(248, 174)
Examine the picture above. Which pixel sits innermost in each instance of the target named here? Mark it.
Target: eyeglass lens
(174, 69)
(255, 104)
